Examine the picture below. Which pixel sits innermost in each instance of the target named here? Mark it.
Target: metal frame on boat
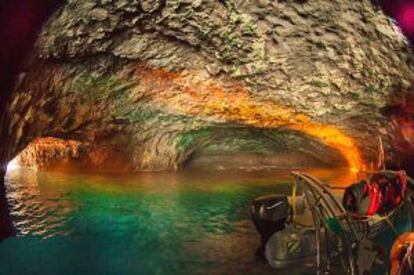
(312, 224)
(338, 232)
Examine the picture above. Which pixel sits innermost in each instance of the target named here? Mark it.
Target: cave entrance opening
(67, 155)
(46, 152)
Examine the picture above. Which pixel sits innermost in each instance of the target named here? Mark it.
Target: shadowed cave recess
(156, 85)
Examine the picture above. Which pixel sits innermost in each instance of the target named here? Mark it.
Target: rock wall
(44, 152)
(158, 78)
(6, 225)
(49, 153)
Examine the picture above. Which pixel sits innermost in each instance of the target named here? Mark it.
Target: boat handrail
(324, 206)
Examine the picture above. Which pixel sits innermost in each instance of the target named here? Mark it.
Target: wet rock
(99, 14)
(150, 5)
(48, 153)
(44, 152)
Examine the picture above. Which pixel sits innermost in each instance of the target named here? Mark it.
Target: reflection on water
(184, 223)
(36, 210)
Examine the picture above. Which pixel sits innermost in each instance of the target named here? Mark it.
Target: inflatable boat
(350, 231)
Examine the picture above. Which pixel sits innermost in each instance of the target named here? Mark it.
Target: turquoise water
(185, 223)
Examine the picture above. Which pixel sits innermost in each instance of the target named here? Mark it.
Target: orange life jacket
(399, 251)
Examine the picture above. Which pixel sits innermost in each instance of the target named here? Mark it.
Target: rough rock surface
(49, 153)
(44, 152)
(163, 80)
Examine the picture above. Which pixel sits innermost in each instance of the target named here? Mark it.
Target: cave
(252, 148)
(144, 92)
(210, 149)
(48, 153)
(186, 110)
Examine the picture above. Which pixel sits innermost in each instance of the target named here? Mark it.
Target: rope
(294, 191)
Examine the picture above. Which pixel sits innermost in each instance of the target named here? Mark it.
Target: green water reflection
(185, 223)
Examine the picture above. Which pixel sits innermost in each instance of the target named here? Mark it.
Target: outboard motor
(269, 214)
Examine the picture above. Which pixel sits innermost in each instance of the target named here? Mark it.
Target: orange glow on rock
(195, 93)
(402, 116)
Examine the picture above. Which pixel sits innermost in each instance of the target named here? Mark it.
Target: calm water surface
(184, 223)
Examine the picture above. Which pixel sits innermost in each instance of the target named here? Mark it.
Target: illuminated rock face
(43, 152)
(49, 153)
(162, 81)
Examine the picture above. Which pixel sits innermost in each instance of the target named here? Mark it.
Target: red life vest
(382, 194)
(375, 197)
(386, 192)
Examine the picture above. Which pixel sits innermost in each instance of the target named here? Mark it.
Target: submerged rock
(161, 80)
